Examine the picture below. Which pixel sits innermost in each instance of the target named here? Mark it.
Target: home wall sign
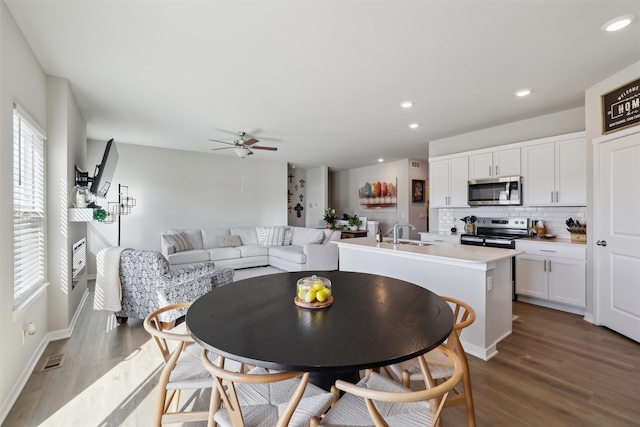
(621, 107)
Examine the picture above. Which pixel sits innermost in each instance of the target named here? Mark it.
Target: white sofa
(309, 248)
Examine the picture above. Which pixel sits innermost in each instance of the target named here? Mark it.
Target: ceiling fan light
(406, 104)
(242, 152)
(414, 125)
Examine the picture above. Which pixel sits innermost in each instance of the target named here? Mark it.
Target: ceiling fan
(241, 147)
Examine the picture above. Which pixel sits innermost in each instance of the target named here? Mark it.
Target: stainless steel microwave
(495, 192)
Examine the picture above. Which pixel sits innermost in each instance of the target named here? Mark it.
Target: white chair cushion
(440, 366)
(262, 404)
(352, 410)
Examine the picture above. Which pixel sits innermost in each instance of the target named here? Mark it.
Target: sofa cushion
(288, 253)
(178, 241)
(271, 236)
(186, 257)
(253, 250)
(229, 241)
(305, 236)
(194, 236)
(210, 237)
(224, 253)
(248, 235)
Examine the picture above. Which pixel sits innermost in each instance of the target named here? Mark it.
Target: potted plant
(330, 217)
(354, 222)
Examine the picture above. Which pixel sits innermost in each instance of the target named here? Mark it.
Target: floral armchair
(148, 284)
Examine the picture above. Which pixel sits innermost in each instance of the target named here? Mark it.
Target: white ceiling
(322, 80)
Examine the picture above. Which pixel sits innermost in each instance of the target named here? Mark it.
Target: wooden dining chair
(386, 402)
(441, 368)
(182, 367)
(263, 398)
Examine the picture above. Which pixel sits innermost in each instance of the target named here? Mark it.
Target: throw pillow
(274, 236)
(229, 241)
(178, 240)
(288, 236)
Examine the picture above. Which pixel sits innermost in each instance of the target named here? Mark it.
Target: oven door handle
(499, 242)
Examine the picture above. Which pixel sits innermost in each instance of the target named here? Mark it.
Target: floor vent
(54, 361)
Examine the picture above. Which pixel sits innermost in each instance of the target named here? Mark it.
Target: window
(28, 206)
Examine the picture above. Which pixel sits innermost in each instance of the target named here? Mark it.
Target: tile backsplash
(553, 217)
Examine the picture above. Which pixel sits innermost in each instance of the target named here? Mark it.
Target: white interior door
(617, 254)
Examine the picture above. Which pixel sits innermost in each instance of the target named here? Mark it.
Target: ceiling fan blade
(223, 142)
(223, 148)
(251, 141)
(257, 147)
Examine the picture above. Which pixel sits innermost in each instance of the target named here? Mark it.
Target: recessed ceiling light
(523, 92)
(380, 160)
(414, 125)
(406, 104)
(618, 23)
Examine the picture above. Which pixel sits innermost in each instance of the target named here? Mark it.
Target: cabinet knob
(601, 243)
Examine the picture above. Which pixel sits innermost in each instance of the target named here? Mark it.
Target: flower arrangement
(330, 216)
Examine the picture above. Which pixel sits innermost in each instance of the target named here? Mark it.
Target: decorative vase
(329, 225)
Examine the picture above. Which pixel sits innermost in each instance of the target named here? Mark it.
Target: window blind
(28, 205)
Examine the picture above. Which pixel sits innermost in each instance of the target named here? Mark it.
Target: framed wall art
(417, 191)
(378, 194)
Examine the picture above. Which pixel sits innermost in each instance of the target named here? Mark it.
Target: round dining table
(374, 321)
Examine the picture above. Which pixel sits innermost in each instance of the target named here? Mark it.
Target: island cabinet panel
(495, 164)
(478, 276)
(448, 182)
(554, 173)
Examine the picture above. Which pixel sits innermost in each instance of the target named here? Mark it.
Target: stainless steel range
(497, 232)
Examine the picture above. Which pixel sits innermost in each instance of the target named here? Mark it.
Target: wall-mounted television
(103, 175)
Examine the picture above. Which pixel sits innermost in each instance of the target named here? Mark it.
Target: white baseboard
(11, 399)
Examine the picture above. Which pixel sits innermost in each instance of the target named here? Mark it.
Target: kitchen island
(479, 276)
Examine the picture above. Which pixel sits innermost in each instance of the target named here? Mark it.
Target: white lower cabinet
(552, 272)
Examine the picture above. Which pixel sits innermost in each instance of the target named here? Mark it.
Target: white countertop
(439, 251)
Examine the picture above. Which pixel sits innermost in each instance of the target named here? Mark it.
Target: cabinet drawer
(552, 250)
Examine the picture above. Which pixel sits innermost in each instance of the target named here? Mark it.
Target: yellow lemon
(311, 296)
(301, 294)
(327, 292)
(318, 286)
(321, 296)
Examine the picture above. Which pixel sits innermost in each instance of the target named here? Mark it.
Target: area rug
(247, 273)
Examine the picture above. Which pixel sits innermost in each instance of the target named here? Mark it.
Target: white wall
(539, 127)
(183, 189)
(24, 82)
(344, 185)
(317, 186)
(418, 214)
(593, 118)
(66, 147)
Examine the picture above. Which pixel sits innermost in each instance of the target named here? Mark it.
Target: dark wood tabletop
(374, 321)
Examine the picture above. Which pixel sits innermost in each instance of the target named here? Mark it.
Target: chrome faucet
(397, 226)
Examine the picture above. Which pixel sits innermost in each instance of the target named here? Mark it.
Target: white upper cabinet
(555, 173)
(495, 164)
(448, 182)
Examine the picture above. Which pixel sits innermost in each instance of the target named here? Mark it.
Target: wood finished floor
(554, 370)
